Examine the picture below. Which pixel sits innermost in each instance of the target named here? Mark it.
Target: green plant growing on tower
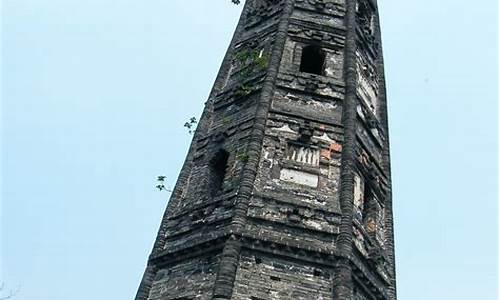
(160, 184)
(243, 90)
(250, 61)
(242, 156)
(190, 124)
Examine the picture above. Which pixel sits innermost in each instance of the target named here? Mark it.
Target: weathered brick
(286, 189)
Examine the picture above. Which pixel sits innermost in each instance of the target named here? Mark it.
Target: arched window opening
(313, 60)
(218, 167)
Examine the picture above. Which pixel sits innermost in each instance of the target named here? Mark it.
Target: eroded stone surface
(301, 207)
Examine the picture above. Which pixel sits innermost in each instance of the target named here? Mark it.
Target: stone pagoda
(286, 189)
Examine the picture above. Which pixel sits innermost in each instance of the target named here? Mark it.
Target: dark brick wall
(304, 210)
(262, 277)
(191, 279)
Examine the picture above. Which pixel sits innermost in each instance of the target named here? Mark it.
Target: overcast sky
(94, 96)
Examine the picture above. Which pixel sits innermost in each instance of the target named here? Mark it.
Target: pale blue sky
(94, 95)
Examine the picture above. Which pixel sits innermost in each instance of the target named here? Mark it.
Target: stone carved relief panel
(333, 20)
(312, 107)
(303, 154)
(331, 7)
(301, 160)
(308, 83)
(286, 212)
(327, 38)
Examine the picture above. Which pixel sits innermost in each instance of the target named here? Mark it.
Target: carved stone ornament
(324, 5)
(318, 36)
